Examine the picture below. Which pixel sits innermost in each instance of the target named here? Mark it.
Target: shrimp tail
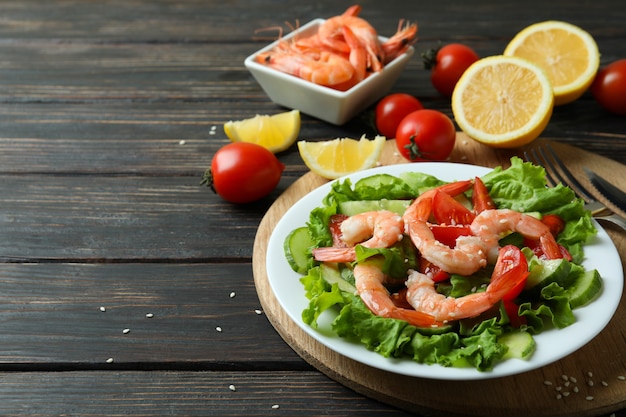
(334, 254)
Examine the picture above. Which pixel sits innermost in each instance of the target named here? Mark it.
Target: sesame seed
(110, 360)
(559, 396)
(575, 389)
(182, 142)
(572, 379)
(566, 393)
(259, 312)
(590, 383)
(219, 329)
(621, 378)
(125, 331)
(276, 406)
(589, 398)
(103, 309)
(604, 383)
(559, 388)
(547, 382)
(564, 377)
(149, 315)
(232, 294)
(590, 374)
(212, 132)
(213, 127)
(232, 387)
(566, 383)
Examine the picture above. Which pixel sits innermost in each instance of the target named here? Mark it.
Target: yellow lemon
(567, 53)
(503, 101)
(338, 157)
(276, 133)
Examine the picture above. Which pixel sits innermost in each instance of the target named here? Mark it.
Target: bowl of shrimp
(332, 69)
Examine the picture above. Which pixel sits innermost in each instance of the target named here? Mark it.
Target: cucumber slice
(350, 208)
(332, 275)
(585, 288)
(548, 271)
(297, 249)
(521, 344)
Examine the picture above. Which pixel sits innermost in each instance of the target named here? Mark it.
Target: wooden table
(126, 288)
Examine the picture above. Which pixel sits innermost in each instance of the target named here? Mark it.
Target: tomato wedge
(334, 224)
(513, 265)
(436, 274)
(512, 310)
(554, 222)
(449, 234)
(447, 210)
(480, 198)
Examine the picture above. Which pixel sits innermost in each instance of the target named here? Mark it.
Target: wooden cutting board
(598, 368)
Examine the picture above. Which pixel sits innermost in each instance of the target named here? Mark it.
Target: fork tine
(569, 178)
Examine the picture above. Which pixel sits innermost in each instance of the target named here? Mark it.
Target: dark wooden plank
(51, 318)
(182, 394)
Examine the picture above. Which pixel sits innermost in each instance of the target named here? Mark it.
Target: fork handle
(615, 219)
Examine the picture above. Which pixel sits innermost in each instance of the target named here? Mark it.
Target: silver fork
(557, 172)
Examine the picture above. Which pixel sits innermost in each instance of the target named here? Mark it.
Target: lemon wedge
(275, 133)
(342, 156)
(503, 101)
(567, 53)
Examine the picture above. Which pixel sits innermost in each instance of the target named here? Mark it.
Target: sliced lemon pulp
(503, 101)
(342, 156)
(276, 132)
(567, 53)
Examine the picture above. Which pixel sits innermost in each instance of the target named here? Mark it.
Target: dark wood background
(110, 111)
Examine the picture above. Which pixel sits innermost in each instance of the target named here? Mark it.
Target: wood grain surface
(520, 395)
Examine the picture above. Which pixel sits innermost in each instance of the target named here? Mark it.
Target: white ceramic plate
(552, 345)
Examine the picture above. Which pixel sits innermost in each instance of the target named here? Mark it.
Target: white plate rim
(552, 345)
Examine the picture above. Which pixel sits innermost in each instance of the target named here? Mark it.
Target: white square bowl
(330, 105)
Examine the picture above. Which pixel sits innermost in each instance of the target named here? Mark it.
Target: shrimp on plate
(423, 296)
(369, 282)
(466, 257)
(491, 225)
(372, 229)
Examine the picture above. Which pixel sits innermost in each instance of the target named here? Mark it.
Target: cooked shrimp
(331, 34)
(319, 67)
(469, 253)
(423, 296)
(491, 225)
(372, 229)
(399, 42)
(369, 280)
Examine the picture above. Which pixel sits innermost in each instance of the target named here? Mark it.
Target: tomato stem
(207, 179)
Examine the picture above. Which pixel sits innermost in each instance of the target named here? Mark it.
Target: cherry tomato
(391, 110)
(426, 135)
(609, 87)
(449, 234)
(447, 210)
(480, 198)
(511, 265)
(436, 274)
(447, 64)
(243, 172)
(554, 222)
(512, 310)
(334, 224)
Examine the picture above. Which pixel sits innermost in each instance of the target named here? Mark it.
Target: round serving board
(595, 373)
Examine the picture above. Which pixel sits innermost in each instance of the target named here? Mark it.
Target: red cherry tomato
(436, 274)
(480, 198)
(426, 135)
(447, 64)
(391, 110)
(511, 265)
(447, 210)
(449, 234)
(609, 87)
(334, 224)
(243, 172)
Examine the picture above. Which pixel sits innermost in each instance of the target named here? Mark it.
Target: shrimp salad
(460, 274)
